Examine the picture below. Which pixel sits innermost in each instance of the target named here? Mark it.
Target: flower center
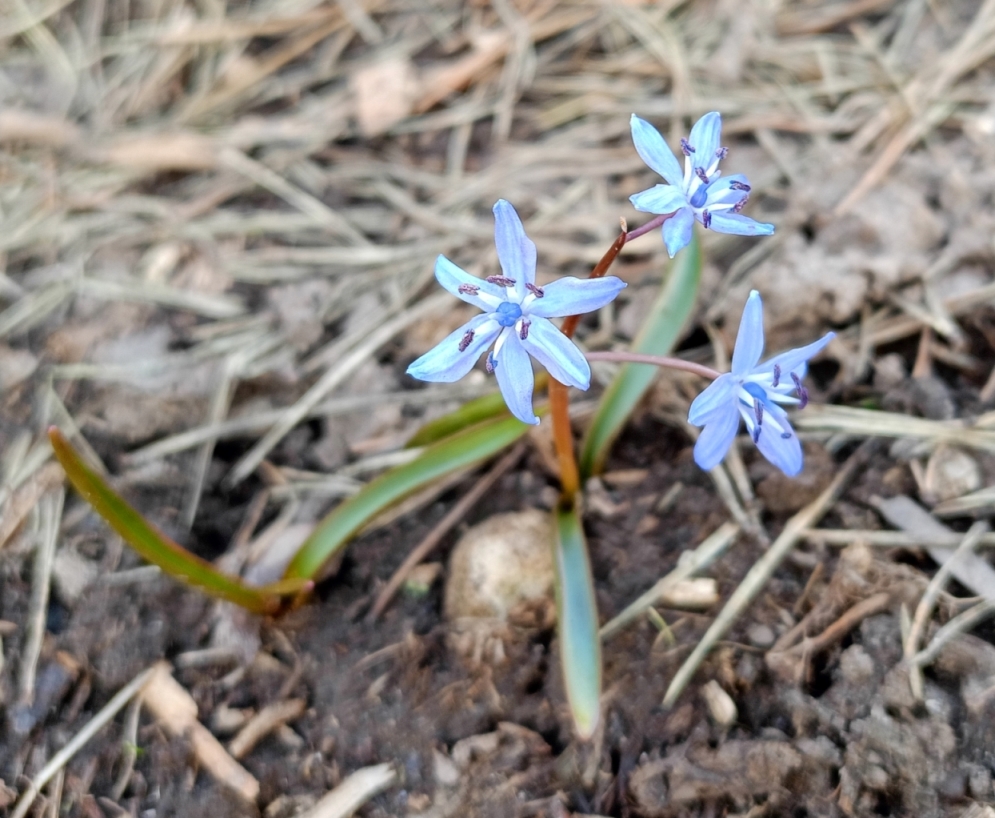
(699, 197)
(507, 313)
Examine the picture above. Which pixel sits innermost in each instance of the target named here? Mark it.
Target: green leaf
(159, 549)
(459, 451)
(577, 622)
(663, 327)
(469, 414)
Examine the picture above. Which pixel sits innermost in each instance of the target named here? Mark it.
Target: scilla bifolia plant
(514, 327)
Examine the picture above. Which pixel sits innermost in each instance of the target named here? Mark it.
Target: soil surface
(203, 221)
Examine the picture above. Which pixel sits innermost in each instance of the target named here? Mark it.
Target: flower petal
(653, 150)
(794, 360)
(716, 438)
(561, 357)
(704, 138)
(750, 338)
(513, 371)
(659, 199)
(728, 190)
(739, 225)
(575, 296)
(783, 452)
(717, 395)
(451, 277)
(515, 250)
(445, 363)
(677, 230)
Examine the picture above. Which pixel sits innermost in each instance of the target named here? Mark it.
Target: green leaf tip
(159, 549)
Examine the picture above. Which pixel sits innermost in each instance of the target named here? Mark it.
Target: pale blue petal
(719, 394)
(659, 199)
(677, 230)
(750, 338)
(653, 150)
(722, 191)
(515, 250)
(716, 438)
(794, 360)
(444, 363)
(513, 370)
(704, 138)
(783, 452)
(452, 277)
(739, 225)
(575, 296)
(561, 357)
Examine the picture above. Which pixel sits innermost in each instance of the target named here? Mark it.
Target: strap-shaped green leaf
(577, 621)
(469, 414)
(661, 331)
(456, 452)
(159, 549)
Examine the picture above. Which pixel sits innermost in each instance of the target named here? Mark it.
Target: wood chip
(176, 711)
(355, 791)
(263, 723)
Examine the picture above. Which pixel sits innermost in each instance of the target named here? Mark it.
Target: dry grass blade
(761, 571)
(925, 607)
(50, 512)
(331, 379)
(73, 746)
(690, 563)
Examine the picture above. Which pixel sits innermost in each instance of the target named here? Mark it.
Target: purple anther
(501, 281)
(737, 185)
(738, 207)
(468, 289)
(491, 363)
(706, 218)
(686, 148)
(466, 340)
(758, 410)
(523, 332)
(801, 390)
(722, 153)
(700, 172)
(777, 375)
(538, 292)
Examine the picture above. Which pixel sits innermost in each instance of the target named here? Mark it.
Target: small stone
(499, 564)
(950, 473)
(720, 704)
(761, 636)
(71, 574)
(856, 665)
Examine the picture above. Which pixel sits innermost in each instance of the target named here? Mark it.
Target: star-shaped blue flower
(755, 392)
(515, 320)
(697, 193)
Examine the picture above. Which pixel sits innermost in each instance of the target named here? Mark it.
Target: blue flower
(698, 192)
(755, 392)
(515, 320)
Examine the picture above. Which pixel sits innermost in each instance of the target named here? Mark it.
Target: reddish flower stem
(655, 360)
(559, 395)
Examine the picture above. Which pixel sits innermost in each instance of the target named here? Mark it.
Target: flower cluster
(514, 323)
